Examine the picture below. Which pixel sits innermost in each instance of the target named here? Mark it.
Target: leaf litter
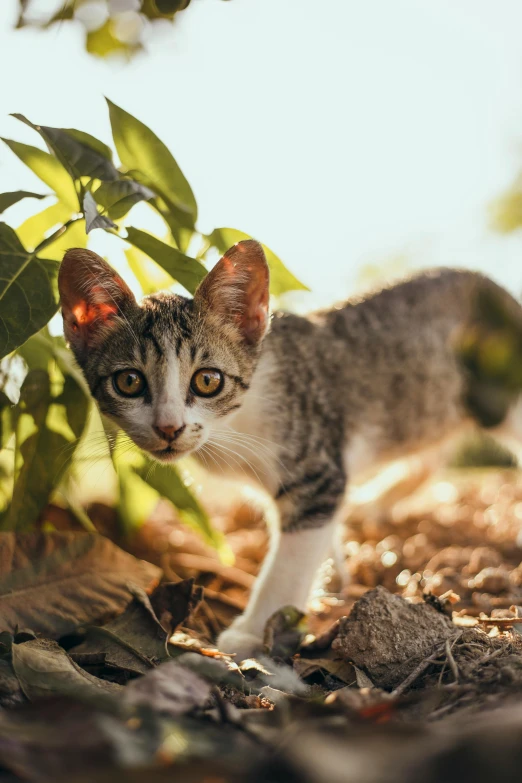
(395, 682)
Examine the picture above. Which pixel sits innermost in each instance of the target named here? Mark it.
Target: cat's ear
(237, 290)
(92, 297)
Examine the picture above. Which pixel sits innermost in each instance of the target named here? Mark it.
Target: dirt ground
(412, 669)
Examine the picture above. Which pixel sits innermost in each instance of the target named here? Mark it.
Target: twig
(485, 659)
(55, 235)
(423, 665)
(410, 679)
(451, 660)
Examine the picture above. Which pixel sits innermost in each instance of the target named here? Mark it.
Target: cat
(299, 404)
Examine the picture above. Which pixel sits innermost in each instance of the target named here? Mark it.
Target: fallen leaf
(61, 739)
(362, 679)
(10, 690)
(136, 641)
(55, 582)
(284, 633)
(343, 670)
(173, 602)
(44, 669)
(171, 689)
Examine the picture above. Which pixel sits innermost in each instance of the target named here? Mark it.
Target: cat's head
(167, 369)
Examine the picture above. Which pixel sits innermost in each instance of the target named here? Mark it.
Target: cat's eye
(129, 383)
(207, 383)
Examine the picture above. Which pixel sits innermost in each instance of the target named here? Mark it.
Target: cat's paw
(242, 643)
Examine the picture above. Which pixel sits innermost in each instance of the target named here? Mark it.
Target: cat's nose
(169, 432)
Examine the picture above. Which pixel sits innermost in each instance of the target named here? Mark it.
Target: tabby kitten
(300, 405)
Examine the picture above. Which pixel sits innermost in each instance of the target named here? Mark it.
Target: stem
(56, 235)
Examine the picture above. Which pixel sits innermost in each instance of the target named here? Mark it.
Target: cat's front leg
(296, 552)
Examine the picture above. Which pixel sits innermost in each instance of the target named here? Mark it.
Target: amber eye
(207, 383)
(129, 383)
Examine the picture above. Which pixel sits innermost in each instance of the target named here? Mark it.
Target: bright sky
(340, 133)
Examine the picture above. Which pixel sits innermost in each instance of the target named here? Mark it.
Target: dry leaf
(44, 669)
(54, 582)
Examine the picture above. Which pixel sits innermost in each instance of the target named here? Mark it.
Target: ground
(412, 670)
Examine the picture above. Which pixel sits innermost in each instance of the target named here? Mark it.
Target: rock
(387, 636)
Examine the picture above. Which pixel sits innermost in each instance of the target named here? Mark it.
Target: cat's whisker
(264, 457)
(212, 457)
(238, 462)
(253, 448)
(251, 436)
(239, 459)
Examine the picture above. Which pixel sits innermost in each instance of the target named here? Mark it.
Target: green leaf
(76, 403)
(158, 9)
(32, 230)
(48, 169)
(64, 14)
(281, 279)
(174, 486)
(150, 161)
(41, 347)
(59, 422)
(182, 230)
(137, 499)
(182, 268)
(149, 275)
(8, 199)
(93, 219)
(120, 196)
(5, 420)
(27, 291)
(90, 141)
(75, 236)
(104, 43)
(78, 158)
(44, 463)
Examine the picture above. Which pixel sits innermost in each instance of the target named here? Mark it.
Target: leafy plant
(111, 29)
(44, 403)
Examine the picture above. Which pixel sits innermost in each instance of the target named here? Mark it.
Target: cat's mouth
(168, 454)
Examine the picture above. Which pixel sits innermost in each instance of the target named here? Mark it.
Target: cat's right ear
(93, 296)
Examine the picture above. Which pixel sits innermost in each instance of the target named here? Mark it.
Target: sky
(342, 134)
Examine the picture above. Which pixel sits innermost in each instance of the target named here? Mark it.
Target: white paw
(242, 643)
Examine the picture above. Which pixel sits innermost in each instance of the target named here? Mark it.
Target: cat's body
(315, 404)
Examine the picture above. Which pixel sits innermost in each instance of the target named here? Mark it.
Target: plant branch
(56, 234)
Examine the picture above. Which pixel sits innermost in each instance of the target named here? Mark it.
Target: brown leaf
(173, 602)
(10, 691)
(343, 670)
(170, 689)
(136, 640)
(54, 582)
(44, 669)
(284, 632)
(63, 739)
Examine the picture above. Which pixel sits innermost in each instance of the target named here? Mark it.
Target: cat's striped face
(169, 369)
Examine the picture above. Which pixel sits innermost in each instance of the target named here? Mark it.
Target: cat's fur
(314, 403)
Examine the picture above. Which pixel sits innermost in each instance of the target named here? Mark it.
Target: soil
(413, 670)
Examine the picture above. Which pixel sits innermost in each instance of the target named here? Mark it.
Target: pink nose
(169, 432)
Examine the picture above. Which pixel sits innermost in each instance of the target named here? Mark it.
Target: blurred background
(350, 137)
(359, 141)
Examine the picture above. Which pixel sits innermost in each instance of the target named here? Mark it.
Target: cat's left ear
(92, 297)
(237, 290)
